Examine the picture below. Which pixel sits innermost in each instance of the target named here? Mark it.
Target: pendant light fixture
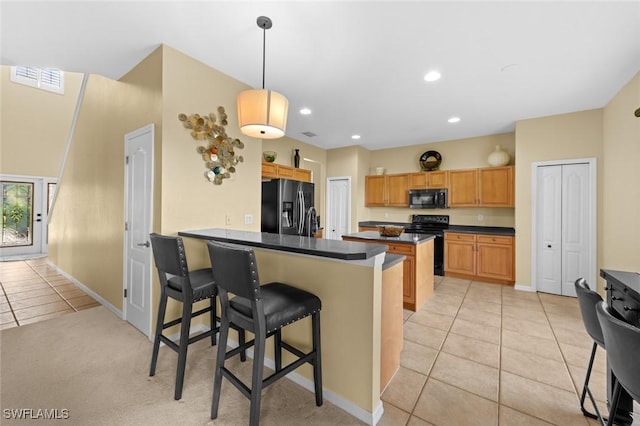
(262, 113)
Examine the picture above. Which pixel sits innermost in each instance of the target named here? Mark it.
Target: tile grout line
(53, 288)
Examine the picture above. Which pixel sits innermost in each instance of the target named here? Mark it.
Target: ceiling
(359, 66)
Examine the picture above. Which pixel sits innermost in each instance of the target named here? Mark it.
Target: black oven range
(431, 224)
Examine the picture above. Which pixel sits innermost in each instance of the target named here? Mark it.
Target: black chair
(177, 282)
(588, 299)
(623, 346)
(264, 311)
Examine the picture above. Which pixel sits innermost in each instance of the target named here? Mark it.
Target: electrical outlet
(227, 219)
(248, 219)
(480, 218)
(386, 215)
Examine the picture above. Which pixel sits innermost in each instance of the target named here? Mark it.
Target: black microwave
(428, 198)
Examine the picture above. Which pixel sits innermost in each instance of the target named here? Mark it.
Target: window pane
(51, 192)
(17, 211)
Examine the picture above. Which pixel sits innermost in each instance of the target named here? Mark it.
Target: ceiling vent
(309, 134)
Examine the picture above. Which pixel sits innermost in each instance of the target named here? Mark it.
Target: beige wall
(34, 125)
(86, 233)
(456, 154)
(621, 196)
(559, 137)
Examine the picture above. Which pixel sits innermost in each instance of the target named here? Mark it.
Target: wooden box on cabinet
(386, 190)
(487, 258)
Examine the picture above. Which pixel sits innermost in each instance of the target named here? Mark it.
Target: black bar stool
(588, 299)
(177, 282)
(264, 311)
(623, 345)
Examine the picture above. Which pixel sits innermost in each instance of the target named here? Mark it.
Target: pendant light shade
(262, 113)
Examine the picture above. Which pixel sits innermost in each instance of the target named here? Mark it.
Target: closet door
(563, 233)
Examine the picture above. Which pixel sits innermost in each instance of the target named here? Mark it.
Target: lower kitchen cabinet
(483, 257)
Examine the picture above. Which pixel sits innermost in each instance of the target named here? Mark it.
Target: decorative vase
(498, 157)
(296, 159)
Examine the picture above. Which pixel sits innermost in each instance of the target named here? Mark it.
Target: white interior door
(25, 208)
(138, 217)
(564, 227)
(338, 222)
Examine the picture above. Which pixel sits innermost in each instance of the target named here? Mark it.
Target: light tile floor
(486, 354)
(474, 354)
(32, 291)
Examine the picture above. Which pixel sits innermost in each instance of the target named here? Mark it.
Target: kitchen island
(417, 267)
(347, 277)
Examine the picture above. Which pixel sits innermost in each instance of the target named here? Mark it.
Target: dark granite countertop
(335, 249)
(490, 230)
(466, 229)
(405, 238)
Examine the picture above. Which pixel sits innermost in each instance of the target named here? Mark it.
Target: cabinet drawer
(406, 249)
(460, 237)
(495, 239)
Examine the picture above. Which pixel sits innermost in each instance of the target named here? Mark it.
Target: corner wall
(621, 195)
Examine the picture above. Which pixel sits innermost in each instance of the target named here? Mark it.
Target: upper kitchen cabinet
(486, 187)
(275, 171)
(495, 187)
(386, 190)
(424, 180)
(463, 188)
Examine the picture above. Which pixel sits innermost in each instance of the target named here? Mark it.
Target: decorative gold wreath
(219, 153)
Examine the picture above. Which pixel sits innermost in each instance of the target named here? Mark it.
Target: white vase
(498, 157)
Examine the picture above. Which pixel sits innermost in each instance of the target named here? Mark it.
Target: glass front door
(25, 206)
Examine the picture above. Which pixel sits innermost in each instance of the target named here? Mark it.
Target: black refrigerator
(287, 207)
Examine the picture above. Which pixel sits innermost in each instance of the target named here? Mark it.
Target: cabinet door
(463, 188)
(495, 257)
(459, 253)
(269, 170)
(418, 180)
(398, 190)
(495, 187)
(375, 191)
(408, 280)
(302, 175)
(285, 172)
(438, 179)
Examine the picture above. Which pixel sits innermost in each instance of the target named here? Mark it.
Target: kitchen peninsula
(417, 285)
(347, 277)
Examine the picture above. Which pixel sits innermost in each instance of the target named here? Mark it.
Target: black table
(623, 296)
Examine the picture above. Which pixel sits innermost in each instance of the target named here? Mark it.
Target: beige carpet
(96, 366)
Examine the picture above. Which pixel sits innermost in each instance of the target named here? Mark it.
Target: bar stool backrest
(623, 346)
(234, 269)
(588, 299)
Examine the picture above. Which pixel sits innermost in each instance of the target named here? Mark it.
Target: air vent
(309, 134)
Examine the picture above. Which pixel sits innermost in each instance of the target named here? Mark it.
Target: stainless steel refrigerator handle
(301, 211)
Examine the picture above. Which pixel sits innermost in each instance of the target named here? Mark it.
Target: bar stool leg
(214, 314)
(182, 349)
(220, 358)
(159, 324)
(277, 346)
(317, 364)
(256, 380)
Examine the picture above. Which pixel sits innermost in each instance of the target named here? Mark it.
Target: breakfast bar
(347, 277)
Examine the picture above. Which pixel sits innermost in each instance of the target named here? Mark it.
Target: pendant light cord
(264, 47)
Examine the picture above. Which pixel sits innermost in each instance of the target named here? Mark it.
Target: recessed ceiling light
(453, 119)
(305, 111)
(355, 137)
(432, 76)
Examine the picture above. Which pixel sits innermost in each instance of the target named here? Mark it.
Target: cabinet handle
(626, 308)
(616, 298)
(607, 288)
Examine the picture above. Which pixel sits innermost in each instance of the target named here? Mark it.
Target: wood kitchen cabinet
(489, 258)
(386, 190)
(486, 187)
(275, 171)
(424, 180)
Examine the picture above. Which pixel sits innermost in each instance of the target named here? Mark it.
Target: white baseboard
(524, 288)
(87, 290)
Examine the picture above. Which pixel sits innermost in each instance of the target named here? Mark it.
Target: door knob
(548, 245)
(146, 244)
